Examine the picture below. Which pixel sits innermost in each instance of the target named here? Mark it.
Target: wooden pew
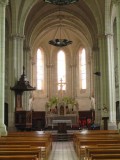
(43, 141)
(105, 156)
(14, 146)
(95, 135)
(85, 143)
(93, 139)
(44, 150)
(101, 151)
(103, 147)
(18, 157)
(21, 152)
(35, 138)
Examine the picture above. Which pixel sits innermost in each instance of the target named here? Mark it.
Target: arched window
(40, 70)
(61, 70)
(82, 69)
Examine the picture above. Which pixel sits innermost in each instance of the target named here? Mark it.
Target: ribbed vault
(81, 22)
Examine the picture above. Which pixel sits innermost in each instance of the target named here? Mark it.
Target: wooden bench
(14, 146)
(44, 141)
(18, 157)
(101, 151)
(84, 143)
(104, 156)
(78, 138)
(100, 147)
(21, 152)
(92, 134)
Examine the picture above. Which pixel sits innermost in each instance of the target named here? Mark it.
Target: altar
(63, 111)
(56, 122)
(62, 125)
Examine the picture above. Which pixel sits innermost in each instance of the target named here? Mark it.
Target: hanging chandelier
(61, 2)
(60, 42)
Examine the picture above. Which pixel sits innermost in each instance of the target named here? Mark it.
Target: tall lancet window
(82, 69)
(61, 71)
(40, 70)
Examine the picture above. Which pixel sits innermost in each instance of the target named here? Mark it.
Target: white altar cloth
(54, 122)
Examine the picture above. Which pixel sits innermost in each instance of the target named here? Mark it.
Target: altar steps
(62, 137)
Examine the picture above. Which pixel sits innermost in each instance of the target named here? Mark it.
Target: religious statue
(30, 105)
(67, 110)
(61, 110)
(92, 102)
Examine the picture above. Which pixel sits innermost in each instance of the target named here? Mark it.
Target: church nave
(63, 151)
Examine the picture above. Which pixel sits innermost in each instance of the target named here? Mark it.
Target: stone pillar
(15, 72)
(3, 4)
(118, 38)
(117, 5)
(28, 67)
(111, 82)
(73, 80)
(49, 79)
(96, 68)
(104, 85)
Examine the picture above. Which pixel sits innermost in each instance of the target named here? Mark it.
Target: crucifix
(61, 84)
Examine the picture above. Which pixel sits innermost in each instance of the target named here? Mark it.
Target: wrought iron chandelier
(60, 42)
(61, 2)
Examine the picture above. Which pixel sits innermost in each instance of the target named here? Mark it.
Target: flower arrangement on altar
(54, 102)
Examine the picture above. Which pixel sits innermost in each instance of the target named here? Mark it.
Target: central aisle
(63, 151)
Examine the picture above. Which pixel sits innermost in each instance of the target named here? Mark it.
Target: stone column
(28, 67)
(96, 69)
(73, 80)
(3, 4)
(104, 85)
(49, 79)
(111, 82)
(15, 72)
(117, 5)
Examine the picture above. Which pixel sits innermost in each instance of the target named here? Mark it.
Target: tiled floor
(63, 151)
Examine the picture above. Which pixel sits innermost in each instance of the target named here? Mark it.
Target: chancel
(70, 50)
(65, 108)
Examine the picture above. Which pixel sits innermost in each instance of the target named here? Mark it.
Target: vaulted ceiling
(81, 22)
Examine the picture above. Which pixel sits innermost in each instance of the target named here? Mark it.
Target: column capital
(3, 2)
(104, 36)
(109, 35)
(17, 36)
